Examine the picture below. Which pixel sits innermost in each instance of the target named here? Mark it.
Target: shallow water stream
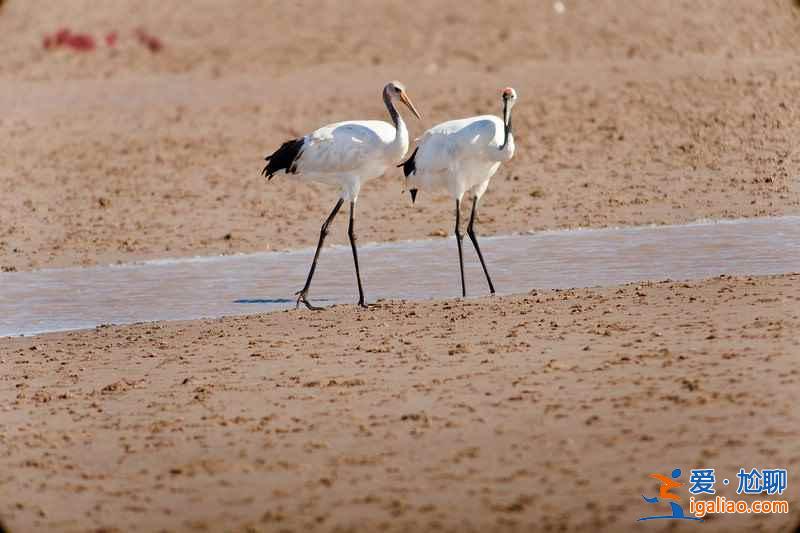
(75, 298)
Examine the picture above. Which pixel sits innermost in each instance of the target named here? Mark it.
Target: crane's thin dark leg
(352, 233)
(303, 293)
(459, 237)
(474, 239)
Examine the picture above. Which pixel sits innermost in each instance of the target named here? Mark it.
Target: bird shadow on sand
(272, 300)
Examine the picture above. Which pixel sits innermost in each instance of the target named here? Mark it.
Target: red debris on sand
(62, 36)
(152, 42)
(81, 42)
(84, 42)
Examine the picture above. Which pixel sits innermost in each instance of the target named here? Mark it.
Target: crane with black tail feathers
(345, 154)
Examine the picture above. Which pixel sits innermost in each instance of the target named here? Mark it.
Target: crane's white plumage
(345, 154)
(349, 153)
(461, 156)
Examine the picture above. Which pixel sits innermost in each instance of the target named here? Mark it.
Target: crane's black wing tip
(284, 158)
(410, 164)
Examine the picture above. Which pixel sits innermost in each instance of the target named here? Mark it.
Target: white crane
(461, 156)
(345, 154)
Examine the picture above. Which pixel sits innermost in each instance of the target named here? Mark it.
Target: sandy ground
(656, 113)
(544, 411)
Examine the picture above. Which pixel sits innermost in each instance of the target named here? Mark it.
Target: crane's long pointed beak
(413, 193)
(406, 100)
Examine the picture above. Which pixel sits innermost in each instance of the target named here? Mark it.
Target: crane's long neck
(507, 125)
(400, 143)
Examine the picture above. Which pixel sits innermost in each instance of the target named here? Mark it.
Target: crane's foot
(303, 298)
